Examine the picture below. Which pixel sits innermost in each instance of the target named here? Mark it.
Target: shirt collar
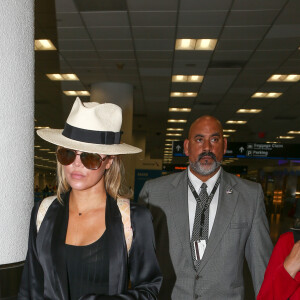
(196, 182)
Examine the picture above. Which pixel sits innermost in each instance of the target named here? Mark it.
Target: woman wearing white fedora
(89, 242)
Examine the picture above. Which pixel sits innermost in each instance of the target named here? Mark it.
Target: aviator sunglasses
(91, 161)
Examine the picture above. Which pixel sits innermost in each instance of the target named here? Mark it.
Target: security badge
(199, 248)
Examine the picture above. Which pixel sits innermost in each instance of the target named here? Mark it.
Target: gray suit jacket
(240, 230)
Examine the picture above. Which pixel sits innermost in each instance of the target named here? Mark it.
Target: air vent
(227, 64)
(103, 5)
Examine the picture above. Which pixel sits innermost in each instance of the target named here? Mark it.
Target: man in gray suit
(202, 239)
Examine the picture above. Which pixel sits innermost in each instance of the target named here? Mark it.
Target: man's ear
(186, 147)
(225, 144)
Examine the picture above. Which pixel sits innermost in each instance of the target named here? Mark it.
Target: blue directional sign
(178, 149)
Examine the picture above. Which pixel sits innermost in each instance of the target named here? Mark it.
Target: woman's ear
(110, 161)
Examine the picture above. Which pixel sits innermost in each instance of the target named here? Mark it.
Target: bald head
(206, 119)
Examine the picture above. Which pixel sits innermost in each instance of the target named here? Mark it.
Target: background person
(204, 231)
(80, 250)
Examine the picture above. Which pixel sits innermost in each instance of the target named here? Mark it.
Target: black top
(88, 268)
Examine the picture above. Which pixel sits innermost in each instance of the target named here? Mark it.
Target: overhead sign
(252, 150)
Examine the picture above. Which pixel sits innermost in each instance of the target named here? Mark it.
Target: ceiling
(133, 41)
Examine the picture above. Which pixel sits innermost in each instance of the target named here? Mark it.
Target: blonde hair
(114, 180)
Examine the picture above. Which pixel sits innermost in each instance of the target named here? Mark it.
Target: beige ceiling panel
(165, 55)
(65, 6)
(72, 33)
(153, 5)
(192, 55)
(154, 45)
(257, 4)
(280, 44)
(116, 45)
(116, 55)
(251, 18)
(153, 18)
(155, 63)
(108, 32)
(284, 31)
(185, 87)
(290, 14)
(73, 54)
(105, 18)
(160, 32)
(195, 32)
(244, 32)
(75, 45)
(205, 5)
(155, 71)
(237, 44)
(278, 55)
(234, 56)
(200, 18)
(68, 20)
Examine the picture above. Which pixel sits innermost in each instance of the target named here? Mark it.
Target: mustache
(212, 155)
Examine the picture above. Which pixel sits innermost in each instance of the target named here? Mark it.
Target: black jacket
(45, 273)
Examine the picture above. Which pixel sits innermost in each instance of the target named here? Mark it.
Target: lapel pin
(229, 191)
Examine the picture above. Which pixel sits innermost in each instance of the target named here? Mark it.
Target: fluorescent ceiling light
(226, 135)
(285, 137)
(294, 132)
(43, 45)
(248, 111)
(181, 94)
(44, 149)
(37, 146)
(229, 130)
(174, 129)
(172, 140)
(76, 93)
(266, 95)
(62, 77)
(269, 142)
(41, 127)
(168, 144)
(173, 134)
(193, 44)
(177, 109)
(284, 78)
(187, 78)
(206, 44)
(176, 121)
(185, 44)
(236, 122)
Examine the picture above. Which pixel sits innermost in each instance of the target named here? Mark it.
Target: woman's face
(80, 178)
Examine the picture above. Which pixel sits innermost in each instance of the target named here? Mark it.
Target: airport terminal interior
(238, 60)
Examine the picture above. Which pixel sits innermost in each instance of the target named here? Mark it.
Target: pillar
(122, 95)
(17, 138)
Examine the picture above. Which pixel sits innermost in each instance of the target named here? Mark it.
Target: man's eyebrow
(201, 135)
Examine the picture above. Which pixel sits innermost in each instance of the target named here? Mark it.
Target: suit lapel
(226, 206)
(178, 202)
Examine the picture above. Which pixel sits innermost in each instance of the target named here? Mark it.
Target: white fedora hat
(91, 127)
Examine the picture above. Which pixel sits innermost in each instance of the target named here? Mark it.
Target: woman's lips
(77, 175)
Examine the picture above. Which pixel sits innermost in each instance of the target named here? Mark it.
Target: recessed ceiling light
(187, 78)
(173, 134)
(248, 111)
(41, 127)
(76, 93)
(168, 144)
(43, 45)
(44, 149)
(62, 77)
(37, 146)
(229, 130)
(193, 44)
(266, 95)
(226, 135)
(177, 109)
(172, 140)
(269, 142)
(236, 122)
(284, 78)
(285, 137)
(181, 94)
(294, 132)
(206, 44)
(176, 121)
(174, 129)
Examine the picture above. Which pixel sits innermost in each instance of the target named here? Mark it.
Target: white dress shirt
(196, 182)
